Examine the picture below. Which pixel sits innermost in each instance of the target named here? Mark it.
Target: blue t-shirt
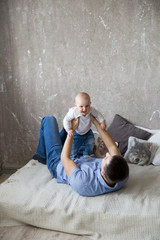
(87, 179)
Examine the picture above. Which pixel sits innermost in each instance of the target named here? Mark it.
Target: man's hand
(71, 132)
(75, 123)
(103, 125)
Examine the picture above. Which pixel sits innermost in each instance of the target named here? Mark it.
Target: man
(88, 176)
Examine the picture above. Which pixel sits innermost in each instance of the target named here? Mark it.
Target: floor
(26, 232)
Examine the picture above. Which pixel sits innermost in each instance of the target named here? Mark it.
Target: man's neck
(108, 182)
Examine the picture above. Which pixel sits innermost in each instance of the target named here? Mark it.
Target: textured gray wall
(50, 50)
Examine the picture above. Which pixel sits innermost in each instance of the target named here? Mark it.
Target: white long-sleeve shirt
(84, 121)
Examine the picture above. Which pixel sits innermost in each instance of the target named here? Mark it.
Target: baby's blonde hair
(82, 95)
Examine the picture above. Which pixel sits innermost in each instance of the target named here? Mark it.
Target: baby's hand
(70, 132)
(103, 125)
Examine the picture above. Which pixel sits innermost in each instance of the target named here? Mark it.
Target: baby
(83, 141)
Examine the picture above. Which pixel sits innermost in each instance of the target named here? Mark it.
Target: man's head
(83, 102)
(114, 169)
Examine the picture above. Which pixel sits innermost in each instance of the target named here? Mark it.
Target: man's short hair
(117, 170)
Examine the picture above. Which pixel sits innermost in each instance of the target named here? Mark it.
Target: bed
(27, 198)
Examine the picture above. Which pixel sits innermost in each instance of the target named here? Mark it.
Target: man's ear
(102, 173)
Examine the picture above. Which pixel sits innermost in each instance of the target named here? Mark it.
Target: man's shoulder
(86, 167)
(81, 180)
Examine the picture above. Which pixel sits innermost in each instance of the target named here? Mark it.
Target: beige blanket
(32, 196)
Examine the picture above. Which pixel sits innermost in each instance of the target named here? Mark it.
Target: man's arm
(106, 137)
(68, 164)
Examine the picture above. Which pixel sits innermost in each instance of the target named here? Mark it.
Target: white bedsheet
(32, 196)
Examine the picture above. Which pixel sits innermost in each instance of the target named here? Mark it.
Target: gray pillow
(140, 151)
(121, 129)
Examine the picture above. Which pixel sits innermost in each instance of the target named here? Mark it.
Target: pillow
(121, 129)
(152, 131)
(156, 139)
(100, 148)
(140, 152)
(156, 159)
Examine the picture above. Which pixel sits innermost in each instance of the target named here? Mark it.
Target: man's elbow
(63, 158)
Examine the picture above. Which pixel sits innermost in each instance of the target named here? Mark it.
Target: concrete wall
(52, 49)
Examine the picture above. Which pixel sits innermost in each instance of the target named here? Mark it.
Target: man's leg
(41, 149)
(63, 135)
(50, 143)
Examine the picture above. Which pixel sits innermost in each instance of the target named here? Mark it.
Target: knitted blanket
(31, 196)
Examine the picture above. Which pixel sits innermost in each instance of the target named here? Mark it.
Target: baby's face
(83, 105)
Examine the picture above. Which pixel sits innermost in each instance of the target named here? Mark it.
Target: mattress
(32, 197)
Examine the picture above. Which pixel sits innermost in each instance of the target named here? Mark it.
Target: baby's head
(82, 103)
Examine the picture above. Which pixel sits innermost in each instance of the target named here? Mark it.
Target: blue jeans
(82, 144)
(50, 143)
